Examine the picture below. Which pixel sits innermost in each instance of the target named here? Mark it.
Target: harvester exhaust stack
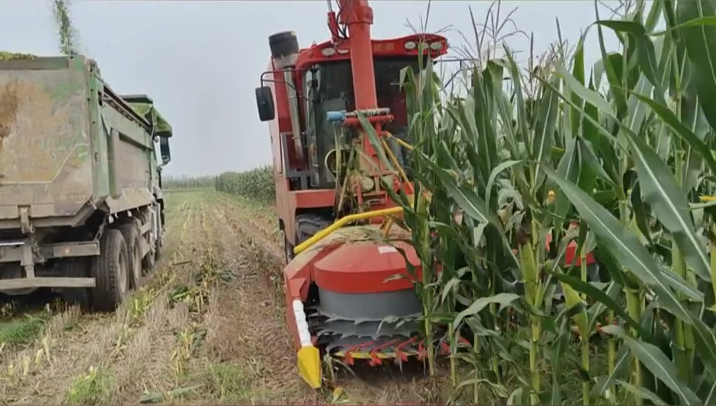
(284, 51)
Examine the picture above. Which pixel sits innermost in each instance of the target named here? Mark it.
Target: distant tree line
(188, 182)
(256, 184)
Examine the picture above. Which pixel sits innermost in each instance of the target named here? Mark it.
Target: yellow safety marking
(309, 366)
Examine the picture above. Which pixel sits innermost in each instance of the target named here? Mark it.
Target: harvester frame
(339, 274)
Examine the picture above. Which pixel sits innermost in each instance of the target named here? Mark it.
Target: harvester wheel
(111, 272)
(287, 248)
(308, 225)
(130, 232)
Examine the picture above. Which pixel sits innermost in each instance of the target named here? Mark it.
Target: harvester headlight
(436, 46)
(328, 51)
(410, 45)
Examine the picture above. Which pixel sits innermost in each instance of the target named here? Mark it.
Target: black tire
(150, 259)
(130, 232)
(75, 268)
(308, 224)
(287, 248)
(111, 272)
(159, 245)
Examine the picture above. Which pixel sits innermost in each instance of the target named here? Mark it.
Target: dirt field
(206, 327)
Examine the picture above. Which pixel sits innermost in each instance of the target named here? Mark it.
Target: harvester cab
(342, 296)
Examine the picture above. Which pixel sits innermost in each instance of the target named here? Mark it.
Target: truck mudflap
(28, 253)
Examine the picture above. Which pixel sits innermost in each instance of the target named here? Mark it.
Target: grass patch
(159, 397)
(21, 331)
(227, 382)
(72, 324)
(94, 388)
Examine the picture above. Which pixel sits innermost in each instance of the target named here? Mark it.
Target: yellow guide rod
(341, 222)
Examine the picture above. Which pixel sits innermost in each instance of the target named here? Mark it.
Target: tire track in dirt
(245, 321)
(106, 343)
(263, 233)
(151, 363)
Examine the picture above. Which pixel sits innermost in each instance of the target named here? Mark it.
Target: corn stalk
(626, 146)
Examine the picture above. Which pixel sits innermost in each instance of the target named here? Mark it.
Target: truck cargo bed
(80, 184)
(69, 144)
(45, 148)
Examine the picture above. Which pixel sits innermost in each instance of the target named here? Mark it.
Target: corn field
(188, 182)
(256, 184)
(627, 148)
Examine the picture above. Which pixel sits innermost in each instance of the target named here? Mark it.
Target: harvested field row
(206, 327)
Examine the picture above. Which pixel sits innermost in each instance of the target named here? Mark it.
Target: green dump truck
(81, 205)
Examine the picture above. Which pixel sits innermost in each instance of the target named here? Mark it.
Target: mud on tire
(111, 271)
(158, 245)
(130, 231)
(149, 261)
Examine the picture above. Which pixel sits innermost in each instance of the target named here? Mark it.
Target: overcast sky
(201, 60)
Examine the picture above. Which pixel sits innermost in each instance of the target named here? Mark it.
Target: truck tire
(159, 244)
(74, 268)
(111, 272)
(130, 232)
(149, 260)
(158, 247)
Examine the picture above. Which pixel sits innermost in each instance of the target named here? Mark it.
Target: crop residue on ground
(207, 326)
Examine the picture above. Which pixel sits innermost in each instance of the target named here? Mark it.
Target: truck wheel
(74, 268)
(149, 260)
(111, 272)
(130, 232)
(158, 247)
